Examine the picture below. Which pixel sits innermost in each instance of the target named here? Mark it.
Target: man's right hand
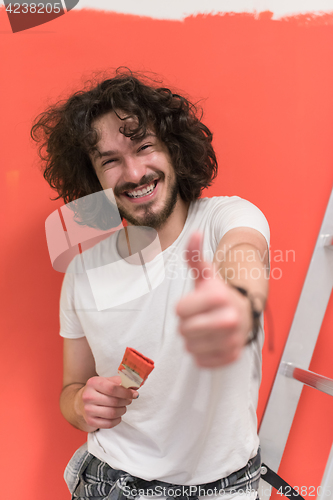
(103, 401)
(87, 401)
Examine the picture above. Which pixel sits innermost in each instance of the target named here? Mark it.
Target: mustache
(146, 179)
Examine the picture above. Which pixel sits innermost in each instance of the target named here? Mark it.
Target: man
(194, 424)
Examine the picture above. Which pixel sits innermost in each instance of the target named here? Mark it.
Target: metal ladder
(293, 369)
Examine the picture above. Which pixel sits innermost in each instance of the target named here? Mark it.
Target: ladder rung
(327, 240)
(319, 382)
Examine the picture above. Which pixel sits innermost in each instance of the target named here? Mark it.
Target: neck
(170, 231)
(167, 234)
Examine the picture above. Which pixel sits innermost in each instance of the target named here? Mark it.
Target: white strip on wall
(179, 9)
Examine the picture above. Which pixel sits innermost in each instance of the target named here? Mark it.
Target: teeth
(142, 192)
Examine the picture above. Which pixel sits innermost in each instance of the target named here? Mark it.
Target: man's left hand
(215, 319)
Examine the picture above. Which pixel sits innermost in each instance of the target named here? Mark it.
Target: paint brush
(134, 368)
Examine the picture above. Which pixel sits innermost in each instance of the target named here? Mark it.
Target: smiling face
(139, 172)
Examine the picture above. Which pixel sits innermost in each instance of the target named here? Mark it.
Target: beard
(150, 218)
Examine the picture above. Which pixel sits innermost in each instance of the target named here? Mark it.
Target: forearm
(245, 267)
(71, 407)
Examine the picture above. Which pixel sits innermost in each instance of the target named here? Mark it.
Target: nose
(134, 169)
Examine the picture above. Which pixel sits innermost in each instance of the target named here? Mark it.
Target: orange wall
(266, 87)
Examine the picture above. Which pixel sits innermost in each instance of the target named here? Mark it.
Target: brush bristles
(136, 362)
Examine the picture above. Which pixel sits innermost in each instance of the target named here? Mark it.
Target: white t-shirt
(190, 425)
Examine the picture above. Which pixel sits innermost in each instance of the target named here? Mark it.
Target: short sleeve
(231, 212)
(70, 326)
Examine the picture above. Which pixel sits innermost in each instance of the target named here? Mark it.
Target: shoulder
(223, 213)
(220, 202)
(227, 207)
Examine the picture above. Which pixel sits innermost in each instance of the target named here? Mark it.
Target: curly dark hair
(66, 135)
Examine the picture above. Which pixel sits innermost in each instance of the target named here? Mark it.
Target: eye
(144, 147)
(108, 161)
